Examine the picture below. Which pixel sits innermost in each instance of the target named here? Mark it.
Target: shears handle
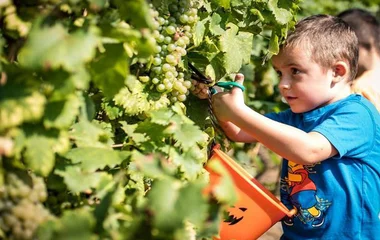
(227, 85)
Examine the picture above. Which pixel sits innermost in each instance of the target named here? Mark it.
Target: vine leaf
(91, 159)
(135, 11)
(282, 15)
(54, 47)
(153, 165)
(112, 111)
(162, 198)
(129, 129)
(215, 27)
(154, 132)
(90, 134)
(224, 190)
(21, 108)
(237, 48)
(199, 31)
(185, 134)
(190, 197)
(38, 154)
(161, 116)
(188, 161)
(274, 47)
(197, 110)
(110, 69)
(223, 3)
(167, 200)
(66, 228)
(135, 99)
(78, 180)
(61, 114)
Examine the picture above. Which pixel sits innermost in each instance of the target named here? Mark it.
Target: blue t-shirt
(338, 198)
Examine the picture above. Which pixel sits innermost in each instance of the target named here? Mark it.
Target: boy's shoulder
(358, 101)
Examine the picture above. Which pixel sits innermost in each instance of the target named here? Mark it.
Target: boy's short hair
(328, 39)
(366, 27)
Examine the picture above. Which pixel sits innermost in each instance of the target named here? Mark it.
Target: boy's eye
(295, 71)
(279, 74)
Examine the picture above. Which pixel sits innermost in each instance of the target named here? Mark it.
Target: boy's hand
(200, 90)
(227, 104)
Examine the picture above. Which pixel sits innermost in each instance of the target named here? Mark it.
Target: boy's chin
(298, 110)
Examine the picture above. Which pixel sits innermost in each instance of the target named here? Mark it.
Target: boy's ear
(340, 71)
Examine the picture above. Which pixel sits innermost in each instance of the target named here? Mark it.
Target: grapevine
(98, 123)
(173, 34)
(21, 205)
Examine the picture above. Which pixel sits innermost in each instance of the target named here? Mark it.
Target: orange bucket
(256, 209)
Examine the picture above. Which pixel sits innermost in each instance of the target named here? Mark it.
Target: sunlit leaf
(38, 154)
(54, 47)
(237, 48)
(282, 15)
(91, 159)
(77, 180)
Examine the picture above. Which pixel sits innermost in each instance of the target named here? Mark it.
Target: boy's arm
(287, 141)
(235, 133)
(232, 131)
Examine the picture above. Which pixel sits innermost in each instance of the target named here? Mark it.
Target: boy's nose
(284, 84)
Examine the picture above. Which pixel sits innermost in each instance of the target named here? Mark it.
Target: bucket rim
(247, 178)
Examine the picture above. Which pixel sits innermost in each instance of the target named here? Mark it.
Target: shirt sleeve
(282, 117)
(350, 129)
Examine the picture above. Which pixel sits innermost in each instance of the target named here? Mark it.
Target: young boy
(367, 29)
(329, 138)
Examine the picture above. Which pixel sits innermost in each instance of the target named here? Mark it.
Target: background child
(367, 29)
(329, 138)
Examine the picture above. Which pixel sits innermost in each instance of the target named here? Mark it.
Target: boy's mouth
(290, 98)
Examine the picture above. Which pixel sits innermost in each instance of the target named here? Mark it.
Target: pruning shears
(197, 75)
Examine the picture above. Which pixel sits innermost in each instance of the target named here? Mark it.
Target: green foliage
(82, 108)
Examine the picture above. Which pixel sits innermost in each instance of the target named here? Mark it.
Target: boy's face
(303, 83)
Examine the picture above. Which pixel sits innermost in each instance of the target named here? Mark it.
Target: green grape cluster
(21, 208)
(173, 35)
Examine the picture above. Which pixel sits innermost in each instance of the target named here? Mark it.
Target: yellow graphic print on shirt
(302, 193)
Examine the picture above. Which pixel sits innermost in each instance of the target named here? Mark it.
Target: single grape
(170, 59)
(158, 49)
(166, 67)
(160, 87)
(181, 97)
(180, 42)
(168, 86)
(171, 47)
(157, 61)
(157, 69)
(169, 75)
(170, 30)
(177, 85)
(144, 79)
(167, 40)
(184, 18)
(161, 20)
(187, 84)
(155, 80)
(160, 38)
(187, 28)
